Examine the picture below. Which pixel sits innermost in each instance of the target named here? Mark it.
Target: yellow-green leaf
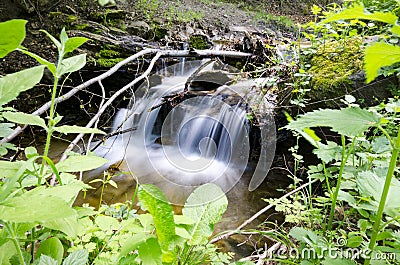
(379, 55)
(13, 84)
(76, 129)
(12, 33)
(80, 163)
(358, 12)
(24, 118)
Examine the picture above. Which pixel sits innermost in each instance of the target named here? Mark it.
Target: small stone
(139, 28)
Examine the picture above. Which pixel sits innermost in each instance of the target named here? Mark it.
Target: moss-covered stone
(332, 66)
(108, 62)
(108, 56)
(159, 32)
(198, 42)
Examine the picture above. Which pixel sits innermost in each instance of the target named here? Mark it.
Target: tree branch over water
(158, 54)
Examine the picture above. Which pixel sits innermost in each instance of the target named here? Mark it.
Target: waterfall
(180, 145)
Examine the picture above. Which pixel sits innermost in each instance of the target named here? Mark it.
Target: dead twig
(255, 216)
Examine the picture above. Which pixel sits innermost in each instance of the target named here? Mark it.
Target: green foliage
(52, 248)
(363, 168)
(377, 55)
(332, 64)
(80, 163)
(12, 33)
(23, 118)
(13, 84)
(358, 12)
(205, 211)
(349, 121)
(156, 203)
(380, 55)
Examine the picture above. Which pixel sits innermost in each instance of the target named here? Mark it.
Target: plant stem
(15, 241)
(385, 192)
(339, 180)
(50, 126)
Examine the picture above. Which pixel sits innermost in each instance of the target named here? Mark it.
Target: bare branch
(255, 216)
(162, 53)
(109, 101)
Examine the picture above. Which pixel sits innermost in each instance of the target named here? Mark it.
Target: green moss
(198, 42)
(159, 32)
(108, 56)
(107, 62)
(105, 53)
(83, 26)
(71, 19)
(332, 66)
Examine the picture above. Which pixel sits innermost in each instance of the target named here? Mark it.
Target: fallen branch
(162, 53)
(108, 103)
(255, 216)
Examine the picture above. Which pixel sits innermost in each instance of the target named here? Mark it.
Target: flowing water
(195, 138)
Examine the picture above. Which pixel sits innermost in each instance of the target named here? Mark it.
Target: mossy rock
(108, 62)
(108, 56)
(331, 68)
(159, 32)
(198, 42)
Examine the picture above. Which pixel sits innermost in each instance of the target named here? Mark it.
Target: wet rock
(139, 28)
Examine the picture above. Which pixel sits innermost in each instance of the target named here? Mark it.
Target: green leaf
(107, 223)
(63, 37)
(182, 232)
(10, 169)
(154, 200)
(68, 225)
(42, 61)
(381, 144)
(30, 152)
(73, 43)
(132, 244)
(46, 260)
(379, 55)
(182, 219)
(347, 197)
(24, 118)
(34, 207)
(51, 247)
(150, 252)
(77, 129)
(7, 250)
(205, 206)
(80, 163)
(358, 12)
(5, 129)
(77, 257)
(301, 234)
(71, 64)
(327, 152)
(12, 34)
(65, 192)
(395, 29)
(371, 185)
(350, 121)
(54, 40)
(13, 84)
(354, 241)
(14, 260)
